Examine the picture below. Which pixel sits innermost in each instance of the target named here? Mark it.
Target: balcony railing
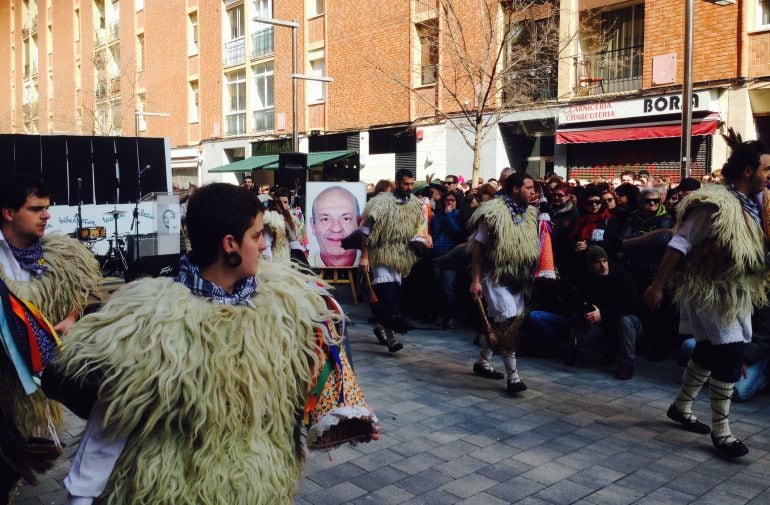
(262, 43)
(114, 33)
(610, 71)
(33, 25)
(235, 52)
(316, 29)
(264, 120)
(235, 124)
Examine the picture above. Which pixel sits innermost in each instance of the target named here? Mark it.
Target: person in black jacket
(611, 309)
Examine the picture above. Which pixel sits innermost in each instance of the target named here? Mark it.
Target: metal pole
(295, 106)
(687, 92)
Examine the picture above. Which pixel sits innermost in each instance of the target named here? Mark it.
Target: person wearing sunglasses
(650, 215)
(595, 226)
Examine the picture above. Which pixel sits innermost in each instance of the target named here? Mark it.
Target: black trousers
(389, 294)
(724, 360)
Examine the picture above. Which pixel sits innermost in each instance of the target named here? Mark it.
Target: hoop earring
(233, 259)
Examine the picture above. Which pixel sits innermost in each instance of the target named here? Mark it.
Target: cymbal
(115, 213)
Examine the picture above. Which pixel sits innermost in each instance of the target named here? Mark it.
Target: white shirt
(502, 303)
(11, 267)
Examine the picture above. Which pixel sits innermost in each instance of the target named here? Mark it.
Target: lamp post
(294, 104)
(686, 145)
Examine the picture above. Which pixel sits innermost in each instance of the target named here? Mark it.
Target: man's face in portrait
(335, 216)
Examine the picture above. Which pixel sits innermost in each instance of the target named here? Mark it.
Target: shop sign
(636, 108)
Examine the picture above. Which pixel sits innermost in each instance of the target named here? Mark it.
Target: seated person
(609, 291)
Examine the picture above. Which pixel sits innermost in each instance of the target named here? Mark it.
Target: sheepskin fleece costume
(726, 273)
(515, 247)
(211, 396)
(72, 275)
(276, 226)
(394, 226)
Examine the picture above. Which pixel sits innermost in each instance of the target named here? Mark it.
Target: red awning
(707, 126)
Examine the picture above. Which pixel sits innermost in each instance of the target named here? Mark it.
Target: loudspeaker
(292, 172)
(148, 246)
(166, 265)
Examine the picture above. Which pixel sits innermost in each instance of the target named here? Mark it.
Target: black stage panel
(79, 158)
(106, 175)
(27, 154)
(126, 148)
(7, 165)
(152, 151)
(54, 153)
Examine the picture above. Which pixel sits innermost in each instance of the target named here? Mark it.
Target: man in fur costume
(392, 223)
(505, 251)
(204, 376)
(56, 274)
(717, 259)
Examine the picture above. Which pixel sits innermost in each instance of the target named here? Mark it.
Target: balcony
(316, 30)
(235, 124)
(114, 33)
(609, 71)
(317, 116)
(264, 120)
(262, 43)
(235, 52)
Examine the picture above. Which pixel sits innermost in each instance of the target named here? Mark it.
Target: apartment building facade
(218, 84)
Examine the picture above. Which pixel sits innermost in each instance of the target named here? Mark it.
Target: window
(429, 37)
(236, 103)
(100, 21)
(763, 13)
(315, 90)
(139, 5)
(621, 61)
(193, 107)
(140, 52)
(192, 33)
(315, 8)
(263, 97)
(235, 22)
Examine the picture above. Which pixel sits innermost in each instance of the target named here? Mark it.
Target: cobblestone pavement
(576, 436)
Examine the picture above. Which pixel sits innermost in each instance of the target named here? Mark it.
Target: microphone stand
(80, 209)
(135, 222)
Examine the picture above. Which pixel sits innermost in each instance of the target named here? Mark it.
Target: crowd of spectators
(608, 237)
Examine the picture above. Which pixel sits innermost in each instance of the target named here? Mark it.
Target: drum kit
(114, 262)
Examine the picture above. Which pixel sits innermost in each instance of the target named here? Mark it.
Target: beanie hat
(595, 253)
(689, 184)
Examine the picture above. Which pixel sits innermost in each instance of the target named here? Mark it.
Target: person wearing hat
(687, 186)
(611, 310)
(718, 263)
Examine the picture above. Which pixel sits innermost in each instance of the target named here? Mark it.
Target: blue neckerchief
(190, 276)
(518, 212)
(748, 204)
(30, 259)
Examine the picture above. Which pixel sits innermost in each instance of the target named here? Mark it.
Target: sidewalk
(576, 436)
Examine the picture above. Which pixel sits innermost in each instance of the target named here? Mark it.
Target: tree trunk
(477, 142)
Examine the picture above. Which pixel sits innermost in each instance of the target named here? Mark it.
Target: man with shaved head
(334, 217)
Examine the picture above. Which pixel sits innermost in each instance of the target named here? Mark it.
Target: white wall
(431, 152)
(460, 155)
(213, 155)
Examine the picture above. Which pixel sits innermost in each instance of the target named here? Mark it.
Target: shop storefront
(603, 139)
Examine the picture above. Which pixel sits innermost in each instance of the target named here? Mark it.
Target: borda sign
(633, 108)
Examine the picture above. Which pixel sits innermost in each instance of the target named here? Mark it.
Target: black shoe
(624, 372)
(570, 353)
(688, 423)
(729, 446)
(379, 332)
(487, 371)
(393, 344)
(515, 387)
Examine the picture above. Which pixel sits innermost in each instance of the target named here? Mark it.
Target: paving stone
(434, 497)
(469, 485)
(504, 470)
(564, 491)
(549, 473)
(372, 481)
(418, 463)
(614, 494)
(596, 477)
(339, 493)
(515, 489)
(461, 466)
(389, 495)
(666, 496)
(424, 481)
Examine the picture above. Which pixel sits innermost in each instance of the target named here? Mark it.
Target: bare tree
(486, 58)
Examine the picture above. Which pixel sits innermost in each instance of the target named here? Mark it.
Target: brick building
(601, 105)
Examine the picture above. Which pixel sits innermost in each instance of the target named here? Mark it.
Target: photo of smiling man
(334, 214)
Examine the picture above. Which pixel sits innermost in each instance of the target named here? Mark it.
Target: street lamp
(686, 144)
(293, 25)
(294, 75)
